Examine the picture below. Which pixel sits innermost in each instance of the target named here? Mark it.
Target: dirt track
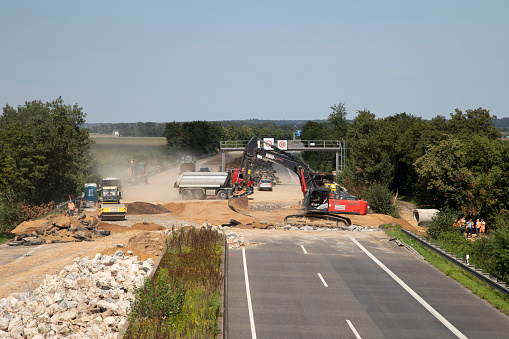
(22, 268)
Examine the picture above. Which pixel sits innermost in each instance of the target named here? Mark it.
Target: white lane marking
(292, 175)
(248, 292)
(305, 252)
(323, 280)
(410, 291)
(353, 329)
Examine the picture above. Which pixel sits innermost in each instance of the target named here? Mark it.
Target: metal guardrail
(485, 277)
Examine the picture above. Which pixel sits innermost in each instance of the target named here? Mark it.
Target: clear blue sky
(129, 61)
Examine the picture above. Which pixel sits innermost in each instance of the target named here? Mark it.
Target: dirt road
(23, 268)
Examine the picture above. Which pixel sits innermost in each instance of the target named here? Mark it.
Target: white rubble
(87, 299)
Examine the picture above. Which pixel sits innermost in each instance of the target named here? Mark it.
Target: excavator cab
(317, 199)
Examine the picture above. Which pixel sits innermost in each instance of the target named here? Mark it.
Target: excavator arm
(318, 200)
(253, 152)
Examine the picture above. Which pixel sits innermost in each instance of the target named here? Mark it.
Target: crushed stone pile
(351, 228)
(56, 229)
(254, 224)
(88, 299)
(145, 208)
(287, 227)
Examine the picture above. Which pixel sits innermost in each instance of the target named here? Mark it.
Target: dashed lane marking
(323, 280)
(353, 329)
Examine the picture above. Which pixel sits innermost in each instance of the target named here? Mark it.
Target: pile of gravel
(88, 299)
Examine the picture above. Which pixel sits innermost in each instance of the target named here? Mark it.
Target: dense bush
(381, 200)
(442, 223)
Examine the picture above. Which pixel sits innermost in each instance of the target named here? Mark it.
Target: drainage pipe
(424, 216)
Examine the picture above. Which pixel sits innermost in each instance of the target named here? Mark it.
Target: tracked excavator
(319, 203)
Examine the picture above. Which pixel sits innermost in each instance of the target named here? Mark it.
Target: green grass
(183, 300)
(494, 297)
(5, 237)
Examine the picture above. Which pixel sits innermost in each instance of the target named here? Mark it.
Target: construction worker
(71, 207)
(469, 228)
(478, 228)
(483, 227)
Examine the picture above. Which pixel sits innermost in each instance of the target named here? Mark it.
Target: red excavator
(319, 201)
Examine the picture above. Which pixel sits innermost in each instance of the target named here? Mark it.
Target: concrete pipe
(424, 216)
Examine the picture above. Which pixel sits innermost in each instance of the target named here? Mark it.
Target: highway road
(348, 285)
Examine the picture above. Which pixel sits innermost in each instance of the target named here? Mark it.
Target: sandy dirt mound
(143, 245)
(149, 242)
(380, 219)
(144, 226)
(145, 208)
(215, 212)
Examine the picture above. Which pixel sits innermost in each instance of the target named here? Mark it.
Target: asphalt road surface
(324, 285)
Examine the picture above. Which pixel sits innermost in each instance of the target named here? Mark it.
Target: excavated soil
(143, 245)
(144, 226)
(145, 208)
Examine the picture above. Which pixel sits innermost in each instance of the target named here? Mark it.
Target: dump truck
(199, 185)
(110, 207)
(137, 172)
(188, 164)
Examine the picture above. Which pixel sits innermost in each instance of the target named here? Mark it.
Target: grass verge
(497, 299)
(183, 299)
(5, 237)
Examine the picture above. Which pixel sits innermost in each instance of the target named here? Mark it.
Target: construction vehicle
(188, 164)
(109, 205)
(112, 181)
(319, 202)
(137, 172)
(199, 185)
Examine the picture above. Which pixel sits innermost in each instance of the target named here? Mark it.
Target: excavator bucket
(240, 204)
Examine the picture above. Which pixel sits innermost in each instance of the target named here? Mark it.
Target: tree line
(203, 137)
(44, 157)
(454, 163)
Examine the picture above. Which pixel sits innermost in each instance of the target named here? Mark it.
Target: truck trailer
(199, 185)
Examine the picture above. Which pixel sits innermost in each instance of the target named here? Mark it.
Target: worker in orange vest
(71, 206)
(483, 227)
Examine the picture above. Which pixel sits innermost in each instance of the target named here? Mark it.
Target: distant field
(112, 140)
(113, 154)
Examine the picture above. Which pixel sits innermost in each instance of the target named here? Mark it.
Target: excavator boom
(319, 201)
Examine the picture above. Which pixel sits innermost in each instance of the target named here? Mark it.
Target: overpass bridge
(337, 146)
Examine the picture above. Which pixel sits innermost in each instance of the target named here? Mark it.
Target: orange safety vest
(71, 205)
